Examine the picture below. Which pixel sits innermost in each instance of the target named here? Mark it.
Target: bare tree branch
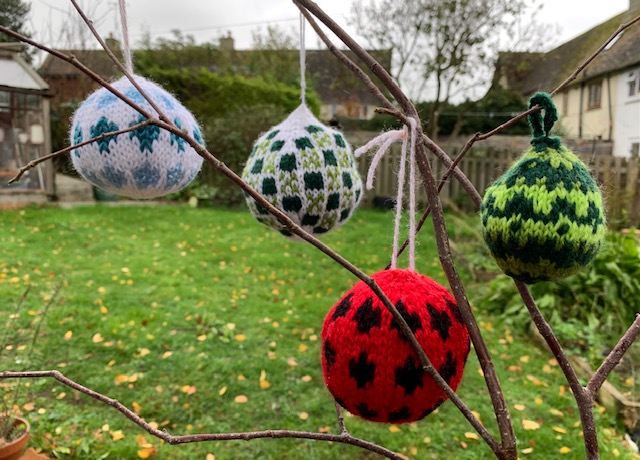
(33, 163)
(344, 438)
(614, 357)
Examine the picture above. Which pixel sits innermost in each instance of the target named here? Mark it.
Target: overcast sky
(207, 20)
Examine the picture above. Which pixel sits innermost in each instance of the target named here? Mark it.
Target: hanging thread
(126, 48)
(384, 141)
(303, 64)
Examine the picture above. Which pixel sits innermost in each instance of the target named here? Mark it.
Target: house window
(633, 83)
(595, 95)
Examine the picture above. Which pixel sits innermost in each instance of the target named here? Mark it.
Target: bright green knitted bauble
(543, 219)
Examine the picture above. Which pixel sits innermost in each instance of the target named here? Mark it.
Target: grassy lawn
(203, 320)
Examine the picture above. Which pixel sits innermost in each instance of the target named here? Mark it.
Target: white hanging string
(126, 48)
(412, 194)
(303, 64)
(384, 142)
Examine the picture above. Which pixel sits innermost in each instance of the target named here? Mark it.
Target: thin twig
(71, 59)
(119, 64)
(582, 397)
(184, 439)
(614, 357)
(339, 414)
(508, 449)
(587, 61)
(33, 163)
(371, 86)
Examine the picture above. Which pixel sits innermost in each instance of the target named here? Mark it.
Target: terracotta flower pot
(13, 450)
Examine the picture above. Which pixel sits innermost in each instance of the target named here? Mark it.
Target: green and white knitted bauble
(543, 219)
(306, 170)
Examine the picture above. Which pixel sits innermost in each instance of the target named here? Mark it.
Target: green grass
(169, 300)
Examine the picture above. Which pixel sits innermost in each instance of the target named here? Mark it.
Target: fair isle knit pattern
(146, 163)
(543, 219)
(306, 170)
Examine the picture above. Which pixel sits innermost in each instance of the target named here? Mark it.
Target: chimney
(113, 43)
(226, 43)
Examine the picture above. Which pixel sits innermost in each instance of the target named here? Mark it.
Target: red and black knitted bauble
(368, 364)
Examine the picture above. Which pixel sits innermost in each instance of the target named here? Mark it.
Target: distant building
(603, 102)
(68, 85)
(24, 128)
(341, 94)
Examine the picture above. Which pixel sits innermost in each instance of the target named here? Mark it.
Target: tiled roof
(527, 73)
(333, 82)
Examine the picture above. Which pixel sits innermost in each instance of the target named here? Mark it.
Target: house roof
(527, 73)
(16, 73)
(96, 59)
(334, 83)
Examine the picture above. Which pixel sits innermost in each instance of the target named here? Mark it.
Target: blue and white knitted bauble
(306, 170)
(146, 163)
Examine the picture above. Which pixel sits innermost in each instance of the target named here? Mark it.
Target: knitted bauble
(306, 170)
(146, 163)
(543, 219)
(368, 364)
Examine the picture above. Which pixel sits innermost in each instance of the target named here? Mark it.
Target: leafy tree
(14, 15)
(445, 46)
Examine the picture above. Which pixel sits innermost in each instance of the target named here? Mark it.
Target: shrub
(598, 303)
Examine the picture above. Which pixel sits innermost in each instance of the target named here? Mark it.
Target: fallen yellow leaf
(222, 390)
(97, 338)
(565, 450)
(136, 407)
(302, 347)
(146, 452)
(29, 406)
(528, 450)
(144, 352)
(264, 384)
(188, 389)
(240, 337)
(241, 399)
(520, 407)
(306, 378)
(559, 429)
(303, 416)
(210, 456)
(68, 335)
(530, 425)
(471, 435)
(116, 435)
(292, 362)
(394, 428)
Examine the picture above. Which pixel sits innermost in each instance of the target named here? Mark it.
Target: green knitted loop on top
(540, 129)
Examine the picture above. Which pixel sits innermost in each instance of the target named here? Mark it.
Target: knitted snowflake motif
(368, 364)
(146, 163)
(306, 170)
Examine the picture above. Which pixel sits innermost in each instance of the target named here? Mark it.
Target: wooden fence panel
(619, 178)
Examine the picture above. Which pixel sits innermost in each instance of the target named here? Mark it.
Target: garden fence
(618, 176)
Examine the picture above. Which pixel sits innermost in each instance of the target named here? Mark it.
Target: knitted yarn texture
(306, 170)
(146, 163)
(369, 366)
(544, 219)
